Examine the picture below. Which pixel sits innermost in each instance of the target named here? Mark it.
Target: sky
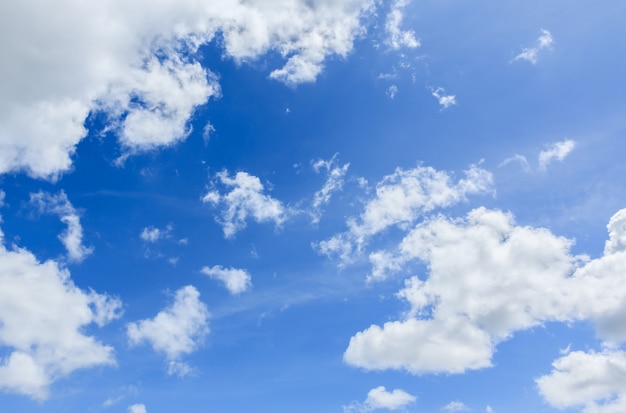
(318, 206)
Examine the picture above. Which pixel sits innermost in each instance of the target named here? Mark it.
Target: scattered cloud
(177, 330)
(235, 280)
(531, 54)
(455, 406)
(400, 199)
(519, 159)
(137, 408)
(445, 101)
(392, 91)
(245, 200)
(72, 237)
(334, 182)
(592, 380)
(43, 317)
(153, 234)
(396, 37)
(556, 151)
(380, 399)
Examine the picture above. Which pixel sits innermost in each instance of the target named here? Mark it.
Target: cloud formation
(176, 330)
(556, 151)
(245, 200)
(334, 182)
(396, 37)
(531, 54)
(445, 101)
(380, 398)
(235, 280)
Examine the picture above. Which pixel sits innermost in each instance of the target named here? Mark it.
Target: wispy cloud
(444, 100)
(531, 54)
(556, 151)
(236, 280)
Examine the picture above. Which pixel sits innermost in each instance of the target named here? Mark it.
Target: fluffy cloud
(236, 281)
(396, 37)
(334, 182)
(530, 54)
(488, 278)
(245, 200)
(593, 380)
(556, 151)
(177, 330)
(140, 69)
(72, 237)
(400, 199)
(444, 100)
(137, 408)
(152, 234)
(455, 406)
(43, 316)
(380, 398)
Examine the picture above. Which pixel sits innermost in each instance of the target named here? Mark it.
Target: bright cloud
(487, 279)
(531, 54)
(153, 234)
(556, 151)
(139, 69)
(455, 406)
(177, 330)
(245, 200)
(380, 398)
(400, 199)
(334, 182)
(137, 408)
(592, 380)
(43, 316)
(396, 37)
(72, 237)
(444, 100)
(236, 280)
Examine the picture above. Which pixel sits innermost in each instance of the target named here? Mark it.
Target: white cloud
(236, 280)
(593, 380)
(43, 316)
(556, 151)
(400, 199)
(379, 398)
(72, 237)
(488, 278)
(392, 91)
(334, 183)
(177, 330)
(396, 37)
(520, 159)
(139, 68)
(245, 200)
(153, 234)
(444, 100)
(455, 406)
(137, 408)
(530, 54)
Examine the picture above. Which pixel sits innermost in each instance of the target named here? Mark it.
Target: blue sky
(315, 206)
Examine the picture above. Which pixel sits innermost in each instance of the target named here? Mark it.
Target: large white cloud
(487, 278)
(136, 62)
(42, 320)
(176, 330)
(245, 200)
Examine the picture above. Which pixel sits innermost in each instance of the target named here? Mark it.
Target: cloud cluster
(72, 237)
(43, 316)
(531, 54)
(235, 280)
(554, 151)
(141, 69)
(445, 101)
(396, 37)
(488, 278)
(176, 330)
(334, 182)
(380, 398)
(245, 200)
(400, 199)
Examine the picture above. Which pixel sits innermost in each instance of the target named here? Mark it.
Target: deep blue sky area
(349, 206)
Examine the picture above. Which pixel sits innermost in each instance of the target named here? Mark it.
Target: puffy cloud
(245, 200)
(444, 100)
(380, 398)
(152, 234)
(140, 68)
(455, 406)
(177, 330)
(137, 408)
(43, 316)
(531, 53)
(488, 278)
(593, 380)
(396, 37)
(392, 91)
(556, 151)
(400, 199)
(236, 280)
(72, 237)
(334, 182)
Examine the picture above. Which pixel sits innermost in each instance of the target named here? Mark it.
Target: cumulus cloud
(487, 278)
(43, 317)
(400, 199)
(445, 101)
(245, 200)
(556, 151)
(594, 381)
(141, 69)
(235, 280)
(72, 237)
(176, 330)
(380, 398)
(396, 37)
(531, 54)
(153, 234)
(455, 406)
(334, 182)
(137, 408)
